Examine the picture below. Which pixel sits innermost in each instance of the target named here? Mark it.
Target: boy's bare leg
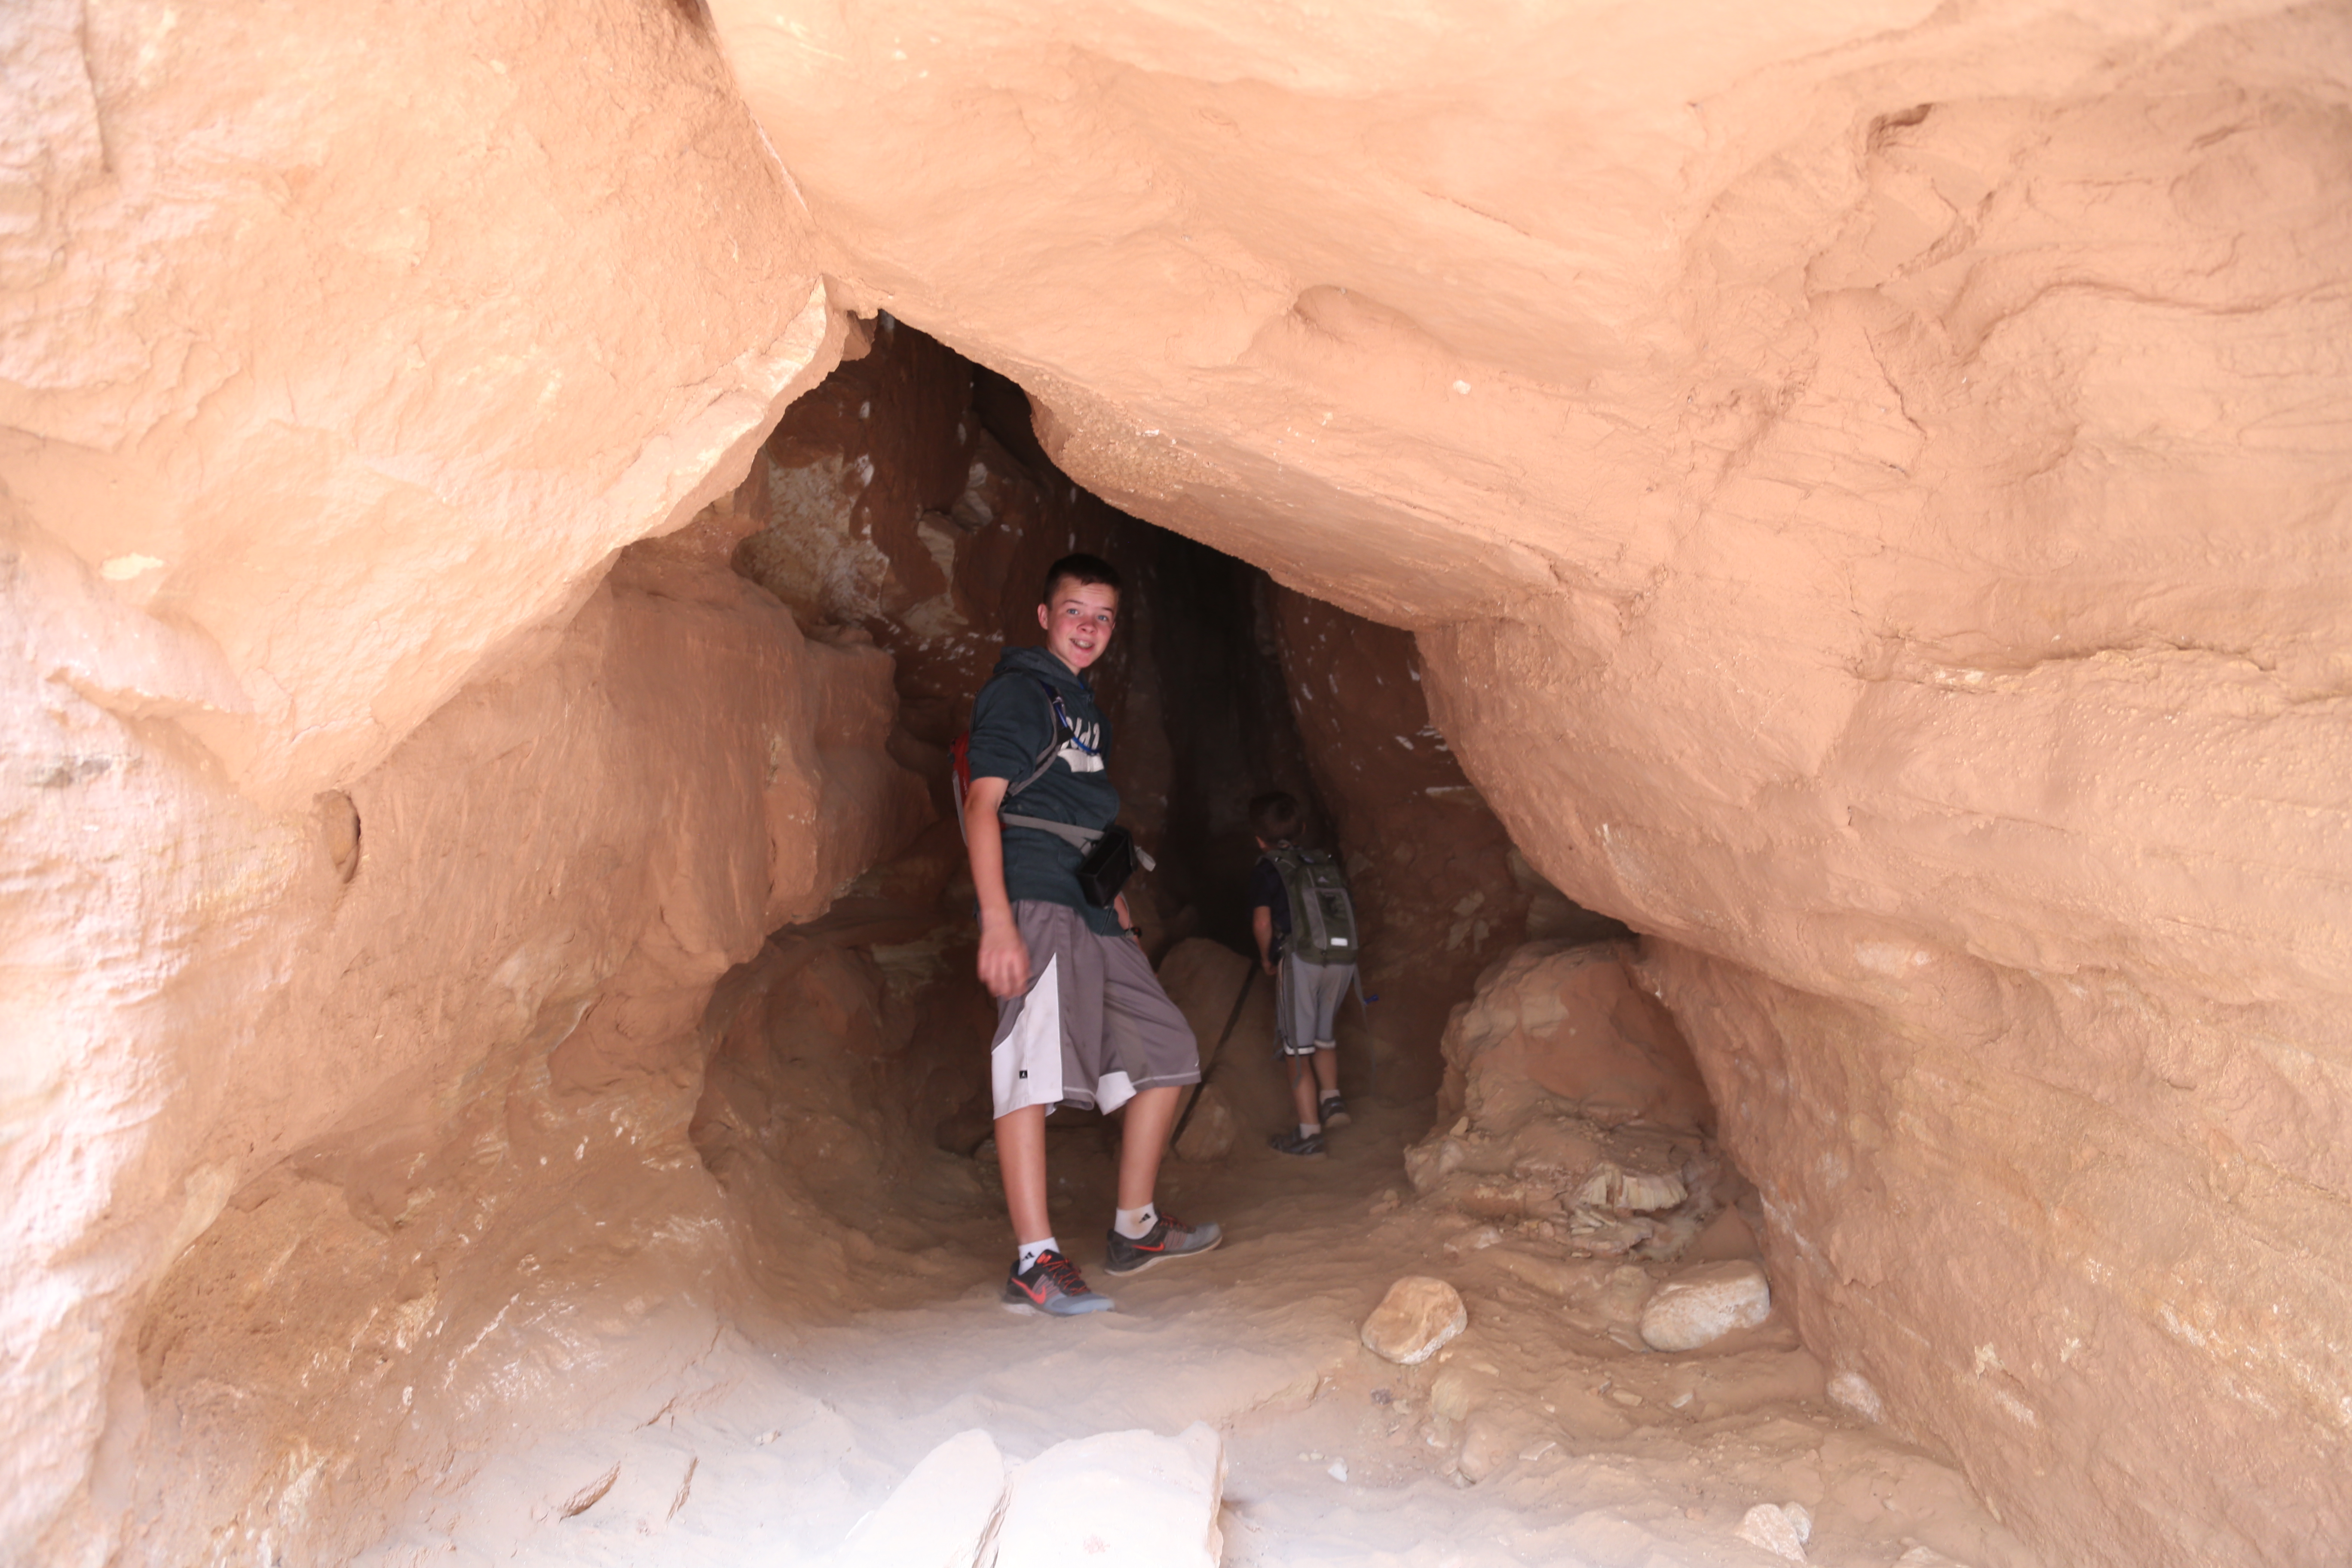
(1326, 1070)
(1302, 1089)
(1150, 1117)
(1021, 1160)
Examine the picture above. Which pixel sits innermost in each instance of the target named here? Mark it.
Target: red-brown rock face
(480, 1063)
(1873, 489)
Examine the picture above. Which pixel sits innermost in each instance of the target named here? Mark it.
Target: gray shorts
(1307, 1004)
(1093, 1028)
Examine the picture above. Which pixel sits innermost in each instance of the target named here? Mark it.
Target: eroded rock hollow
(504, 512)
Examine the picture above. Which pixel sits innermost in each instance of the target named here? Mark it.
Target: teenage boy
(1080, 1018)
(1308, 994)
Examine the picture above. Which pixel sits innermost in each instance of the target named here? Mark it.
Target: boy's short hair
(1275, 816)
(1085, 569)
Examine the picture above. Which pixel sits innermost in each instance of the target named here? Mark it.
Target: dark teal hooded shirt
(1012, 723)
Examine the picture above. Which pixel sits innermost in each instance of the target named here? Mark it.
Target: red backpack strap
(959, 774)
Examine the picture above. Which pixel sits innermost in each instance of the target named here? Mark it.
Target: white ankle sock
(1136, 1223)
(1029, 1251)
(1309, 1129)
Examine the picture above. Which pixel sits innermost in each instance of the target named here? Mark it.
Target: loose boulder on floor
(1701, 1305)
(1418, 1315)
(1706, 1303)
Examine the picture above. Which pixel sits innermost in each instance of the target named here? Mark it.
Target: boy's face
(1078, 618)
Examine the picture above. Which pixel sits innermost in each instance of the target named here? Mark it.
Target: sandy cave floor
(784, 1436)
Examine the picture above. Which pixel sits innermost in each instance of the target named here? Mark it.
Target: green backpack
(1322, 916)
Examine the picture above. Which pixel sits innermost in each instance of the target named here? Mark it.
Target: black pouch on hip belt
(1106, 866)
(1111, 855)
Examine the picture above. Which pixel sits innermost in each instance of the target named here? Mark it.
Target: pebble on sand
(1701, 1305)
(1418, 1315)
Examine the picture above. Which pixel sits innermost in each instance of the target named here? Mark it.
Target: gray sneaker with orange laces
(1170, 1237)
(1052, 1286)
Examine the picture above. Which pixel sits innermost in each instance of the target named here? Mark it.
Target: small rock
(1417, 1316)
(1851, 1390)
(1338, 1471)
(1457, 1391)
(1926, 1557)
(1487, 1445)
(1701, 1305)
(1774, 1529)
(1477, 1240)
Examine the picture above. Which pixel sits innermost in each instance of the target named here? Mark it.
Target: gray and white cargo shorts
(1093, 1028)
(1307, 1004)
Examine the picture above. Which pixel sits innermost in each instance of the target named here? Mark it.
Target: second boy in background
(1306, 929)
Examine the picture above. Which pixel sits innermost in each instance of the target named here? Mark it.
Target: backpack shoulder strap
(1062, 732)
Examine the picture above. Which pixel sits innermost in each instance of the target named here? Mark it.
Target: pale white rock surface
(1417, 1316)
(1850, 1391)
(1782, 1529)
(944, 1515)
(1134, 1499)
(1926, 1557)
(1701, 1305)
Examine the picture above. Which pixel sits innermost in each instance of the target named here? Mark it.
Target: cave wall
(340, 353)
(474, 1213)
(1871, 488)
